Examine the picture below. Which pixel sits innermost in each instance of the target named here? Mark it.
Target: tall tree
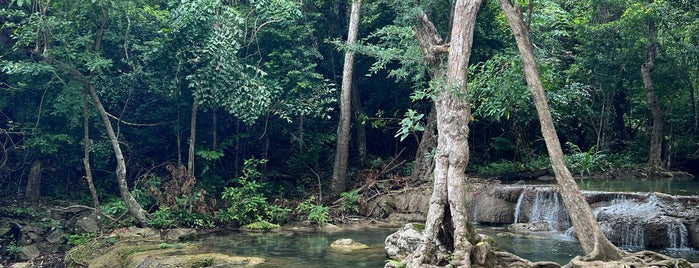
(447, 228)
(591, 238)
(338, 183)
(657, 119)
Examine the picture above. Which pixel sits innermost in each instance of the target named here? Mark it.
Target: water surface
(312, 249)
(661, 185)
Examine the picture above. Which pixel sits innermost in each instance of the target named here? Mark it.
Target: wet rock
(492, 210)
(347, 244)
(180, 234)
(403, 242)
(145, 254)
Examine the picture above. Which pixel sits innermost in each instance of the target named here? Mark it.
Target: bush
(318, 214)
(247, 202)
(350, 201)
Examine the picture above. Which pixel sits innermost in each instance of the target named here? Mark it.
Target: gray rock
(30, 252)
(403, 242)
(87, 224)
(56, 237)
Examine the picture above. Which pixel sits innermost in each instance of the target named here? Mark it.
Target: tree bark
(130, 202)
(33, 190)
(591, 238)
(86, 156)
(192, 138)
(448, 236)
(656, 136)
(424, 159)
(360, 127)
(338, 183)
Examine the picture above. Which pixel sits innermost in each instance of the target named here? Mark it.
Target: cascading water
(519, 204)
(677, 235)
(545, 207)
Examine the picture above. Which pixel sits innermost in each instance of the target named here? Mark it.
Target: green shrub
(318, 214)
(79, 239)
(350, 201)
(161, 219)
(247, 202)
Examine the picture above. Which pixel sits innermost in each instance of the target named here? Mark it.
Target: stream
(312, 249)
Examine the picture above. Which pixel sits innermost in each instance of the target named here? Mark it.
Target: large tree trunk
(448, 236)
(131, 205)
(86, 156)
(339, 178)
(592, 240)
(656, 136)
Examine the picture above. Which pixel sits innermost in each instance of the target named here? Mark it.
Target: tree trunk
(339, 178)
(33, 190)
(360, 127)
(656, 136)
(591, 238)
(424, 159)
(448, 236)
(192, 138)
(86, 156)
(131, 205)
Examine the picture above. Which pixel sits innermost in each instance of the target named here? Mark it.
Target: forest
(210, 113)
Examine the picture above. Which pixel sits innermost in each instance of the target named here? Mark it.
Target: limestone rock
(400, 244)
(347, 244)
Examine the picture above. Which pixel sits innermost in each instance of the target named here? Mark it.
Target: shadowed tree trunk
(33, 191)
(130, 202)
(656, 135)
(424, 160)
(360, 127)
(192, 138)
(86, 156)
(338, 183)
(448, 236)
(591, 238)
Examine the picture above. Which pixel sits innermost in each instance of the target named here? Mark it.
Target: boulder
(403, 242)
(86, 224)
(30, 252)
(56, 237)
(347, 244)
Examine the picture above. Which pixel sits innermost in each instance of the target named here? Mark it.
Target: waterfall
(548, 208)
(677, 235)
(519, 204)
(632, 235)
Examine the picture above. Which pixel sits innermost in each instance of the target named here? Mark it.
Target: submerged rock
(347, 244)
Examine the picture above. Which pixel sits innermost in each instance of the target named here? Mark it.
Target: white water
(519, 204)
(546, 206)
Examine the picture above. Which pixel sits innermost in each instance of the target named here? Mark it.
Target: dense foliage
(262, 75)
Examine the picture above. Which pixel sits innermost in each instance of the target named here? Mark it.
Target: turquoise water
(668, 186)
(312, 249)
(302, 249)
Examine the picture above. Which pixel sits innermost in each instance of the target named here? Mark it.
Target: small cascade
(632, 236)
(548, 208)
(677, 235)
(519, 204)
